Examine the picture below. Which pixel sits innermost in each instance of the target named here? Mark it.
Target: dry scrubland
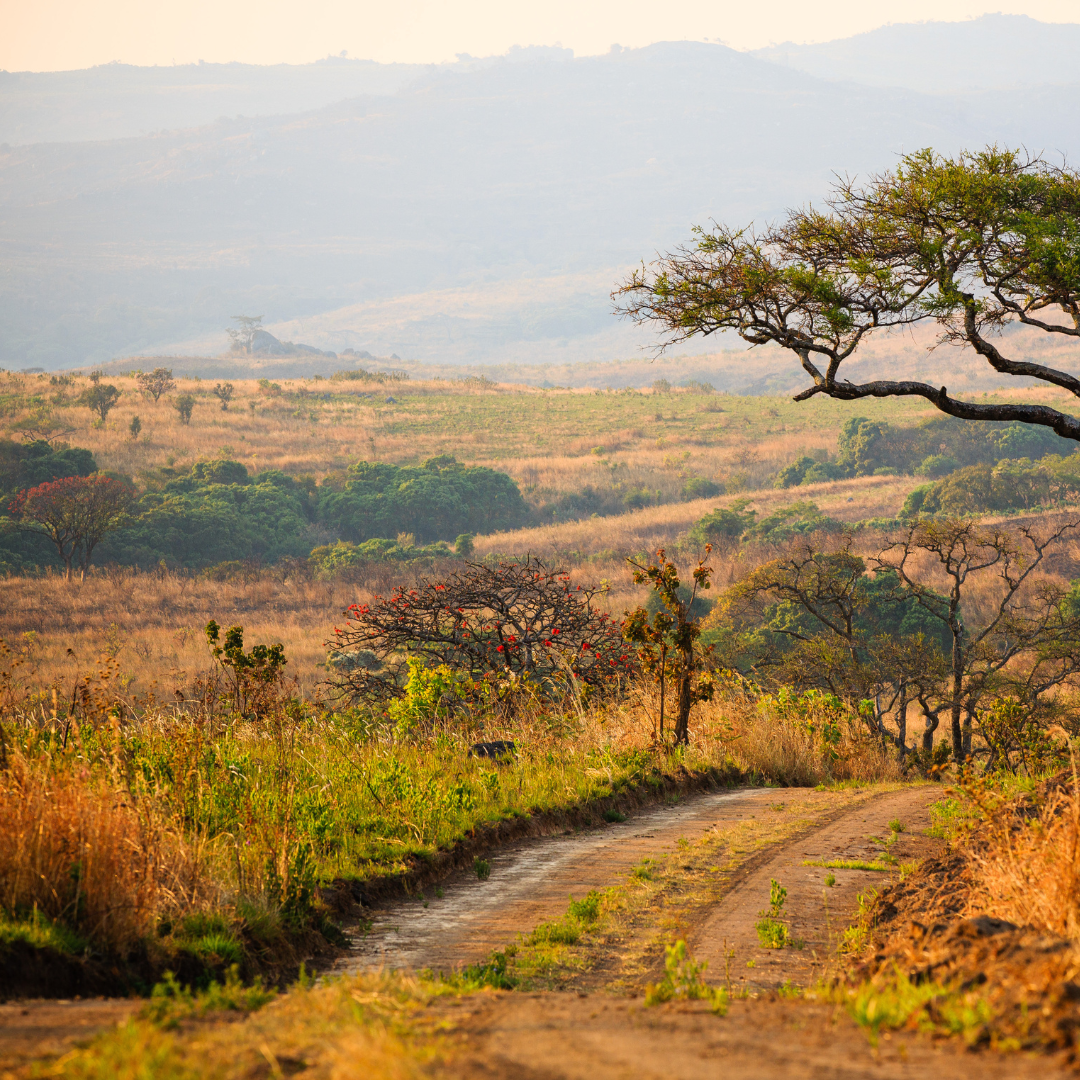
(553, 442)
(202, 833)
(152, 623)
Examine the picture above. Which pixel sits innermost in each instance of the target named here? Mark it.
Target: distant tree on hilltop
(242, 336)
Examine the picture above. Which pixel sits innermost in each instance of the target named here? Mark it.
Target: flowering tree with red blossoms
(74, 514)
(507, 622)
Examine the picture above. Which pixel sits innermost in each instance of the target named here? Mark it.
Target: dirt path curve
(816, 914)
(530, 883)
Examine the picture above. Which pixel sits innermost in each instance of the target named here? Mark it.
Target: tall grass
(121, 826)
(77, 848)
(1026, 867)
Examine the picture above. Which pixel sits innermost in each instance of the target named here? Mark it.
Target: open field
(553, 442)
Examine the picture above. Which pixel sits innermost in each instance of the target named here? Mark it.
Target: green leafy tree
(185, 405)
(99, 398)
(667, 641)
(155, 383)
(441, 499)
(818, 621)
(971, 243)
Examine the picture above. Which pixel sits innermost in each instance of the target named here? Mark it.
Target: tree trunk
(956, 704)
(663, 672)
(928, 733)
(901, 723)
(682, 718)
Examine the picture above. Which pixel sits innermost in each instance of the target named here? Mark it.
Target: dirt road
(597, 1037)
(600, 1035)
(531, 881)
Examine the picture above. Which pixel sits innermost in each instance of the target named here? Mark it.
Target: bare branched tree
(1026, 646)
(505, 621)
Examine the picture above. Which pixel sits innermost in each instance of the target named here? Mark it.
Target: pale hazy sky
(50, 35)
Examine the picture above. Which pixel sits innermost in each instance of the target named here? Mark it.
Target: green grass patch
(169, 1002)
(684, 979)
(948, 816)
(897, 1002)
(40, 933)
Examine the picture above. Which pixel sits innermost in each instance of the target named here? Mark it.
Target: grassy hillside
(553, 442)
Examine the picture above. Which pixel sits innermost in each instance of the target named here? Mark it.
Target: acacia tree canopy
(971, 243)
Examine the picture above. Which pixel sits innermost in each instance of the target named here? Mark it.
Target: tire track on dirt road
(531, 880)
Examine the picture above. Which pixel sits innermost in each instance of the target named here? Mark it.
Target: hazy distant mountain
(117, 101)
(480, 213)
(991, 52)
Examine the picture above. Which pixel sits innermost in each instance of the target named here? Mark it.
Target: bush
(934, 449)
(798, 519)
(699, 488)
(440, 500)
(503, 626)
(722, 524)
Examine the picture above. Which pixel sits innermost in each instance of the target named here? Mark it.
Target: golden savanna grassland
(551, 441)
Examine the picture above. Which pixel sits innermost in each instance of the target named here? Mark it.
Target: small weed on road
(683, 979)
(772, 932)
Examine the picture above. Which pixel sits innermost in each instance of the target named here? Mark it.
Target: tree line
(59, 509)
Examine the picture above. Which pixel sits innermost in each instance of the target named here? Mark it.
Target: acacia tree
(498, 623)
(971, 243)
(816, 619)
(74, 514)
(155, 383)
(243, 334)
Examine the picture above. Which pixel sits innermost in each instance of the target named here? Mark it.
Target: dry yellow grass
(152, 623)
(552, 442)
(83, 852)
(1030, 874)
(658, 526)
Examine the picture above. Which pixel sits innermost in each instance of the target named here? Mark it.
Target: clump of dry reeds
(78, 849)
(1027, 868)
(802, 745)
